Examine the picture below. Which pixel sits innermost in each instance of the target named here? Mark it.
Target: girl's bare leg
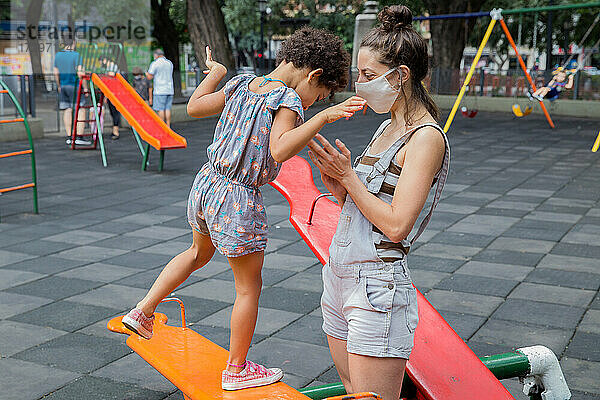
(177, 271)
(248, 283)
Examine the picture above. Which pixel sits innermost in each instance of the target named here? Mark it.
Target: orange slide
(140, 116)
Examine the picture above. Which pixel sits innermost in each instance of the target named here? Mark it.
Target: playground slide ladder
(4, 89)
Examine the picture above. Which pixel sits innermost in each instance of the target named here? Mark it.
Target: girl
(261, 126)
(369, 303)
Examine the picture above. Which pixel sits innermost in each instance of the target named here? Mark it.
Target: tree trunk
(167, 37)
(34, 11)
(448, 36)
(206, 26)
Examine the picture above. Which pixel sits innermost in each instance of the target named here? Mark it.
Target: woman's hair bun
(395, 18)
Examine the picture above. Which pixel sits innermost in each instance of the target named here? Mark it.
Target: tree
(168, 36)
(206, 26)
(32, 18)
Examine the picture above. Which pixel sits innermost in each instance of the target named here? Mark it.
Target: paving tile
(445, 206)
(91, 387)
(213, 289)
(590, 239)
(584, 346)
(39, 379)
(90, 253)
(462, 239)
(508, 257)
(573, 279)
(501, 212)
(539, 313)
(299, 248)
(447, 251)
(493, 270)
(280, 352)
(580, 250)
(581, 375)
(195, 309)
(39, 247)
(553, 294)
(136, 259)
(79, 237)
(483, 224)
(307, 329)
(113, 296)
(54, 287)
(269, 320)
(482, 349)
(159, 232)
(423, 279)
(99, 272)
(590, 322)
(75, 352)
(212, 268)
(133, 369)
(569, 263)
(10, 277)
(303, 281)
(553, 217)
(477, 284)
(516, 335)
(522, 245)
(530, 233)
(464, 324)
(467, 303)
(144, 219)
(170, 248)
(65, 315)
(433, 263)
(16, 336)
(13, 304)
(298, 301)
(46, 265)
(531, 192)
(126, 242)
(114, 227)
(512, 205)
(11, 257)
(289, 262)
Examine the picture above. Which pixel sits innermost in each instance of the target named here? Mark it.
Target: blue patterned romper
(225, 201)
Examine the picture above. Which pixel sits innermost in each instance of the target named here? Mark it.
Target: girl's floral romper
(225, 201)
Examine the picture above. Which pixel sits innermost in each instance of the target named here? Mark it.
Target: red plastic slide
(139, 114)
(441, 365)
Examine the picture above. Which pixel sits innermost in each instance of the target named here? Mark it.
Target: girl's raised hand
(345, 109)
(212, 64)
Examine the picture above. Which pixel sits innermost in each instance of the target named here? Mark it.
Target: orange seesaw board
(193, 363)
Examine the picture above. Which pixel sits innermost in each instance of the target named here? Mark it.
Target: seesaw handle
(314, 204)
(183, 325)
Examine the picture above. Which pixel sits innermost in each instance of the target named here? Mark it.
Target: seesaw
(441, 366)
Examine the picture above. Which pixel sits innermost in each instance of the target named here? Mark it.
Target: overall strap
(443, 175)
(378, 133)
(383, 164)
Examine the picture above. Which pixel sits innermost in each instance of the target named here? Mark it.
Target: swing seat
(516, 109)
(468, 113)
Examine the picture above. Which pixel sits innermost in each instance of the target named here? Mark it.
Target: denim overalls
(370, 303)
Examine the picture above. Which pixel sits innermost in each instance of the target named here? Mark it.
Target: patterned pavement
(510, 259)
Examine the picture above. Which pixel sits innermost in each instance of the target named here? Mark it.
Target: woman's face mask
(378, 93)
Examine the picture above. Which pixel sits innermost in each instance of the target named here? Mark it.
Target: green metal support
(145, 160)
(503, 366)
(98, 126)
(138, 140)
(161, 161)
(3, 86)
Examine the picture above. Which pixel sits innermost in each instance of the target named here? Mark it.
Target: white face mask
(378, 93)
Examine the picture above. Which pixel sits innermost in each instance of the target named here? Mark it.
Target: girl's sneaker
(251, 376)
(136, 321)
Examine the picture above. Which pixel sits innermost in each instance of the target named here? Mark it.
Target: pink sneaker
(251, 376)
(137, 321)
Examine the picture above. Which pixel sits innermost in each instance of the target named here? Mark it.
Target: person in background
(66, 71)
(141, 84)
(161, 72)
(111, 68)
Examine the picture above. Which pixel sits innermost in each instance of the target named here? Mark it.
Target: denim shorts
(67, 97)
(375, 311)
(162, 102)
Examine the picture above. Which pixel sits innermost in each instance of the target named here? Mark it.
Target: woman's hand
(344, 110)
(337, 190)
(331, 162)
(212, 65)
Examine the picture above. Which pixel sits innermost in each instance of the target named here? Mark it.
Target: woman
(369, 304)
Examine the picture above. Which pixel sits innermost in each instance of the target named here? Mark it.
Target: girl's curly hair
(317, 48)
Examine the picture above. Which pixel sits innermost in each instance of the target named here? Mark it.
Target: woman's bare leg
(377, 374)
(248, 283)
(337, 348)
(177, 271)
